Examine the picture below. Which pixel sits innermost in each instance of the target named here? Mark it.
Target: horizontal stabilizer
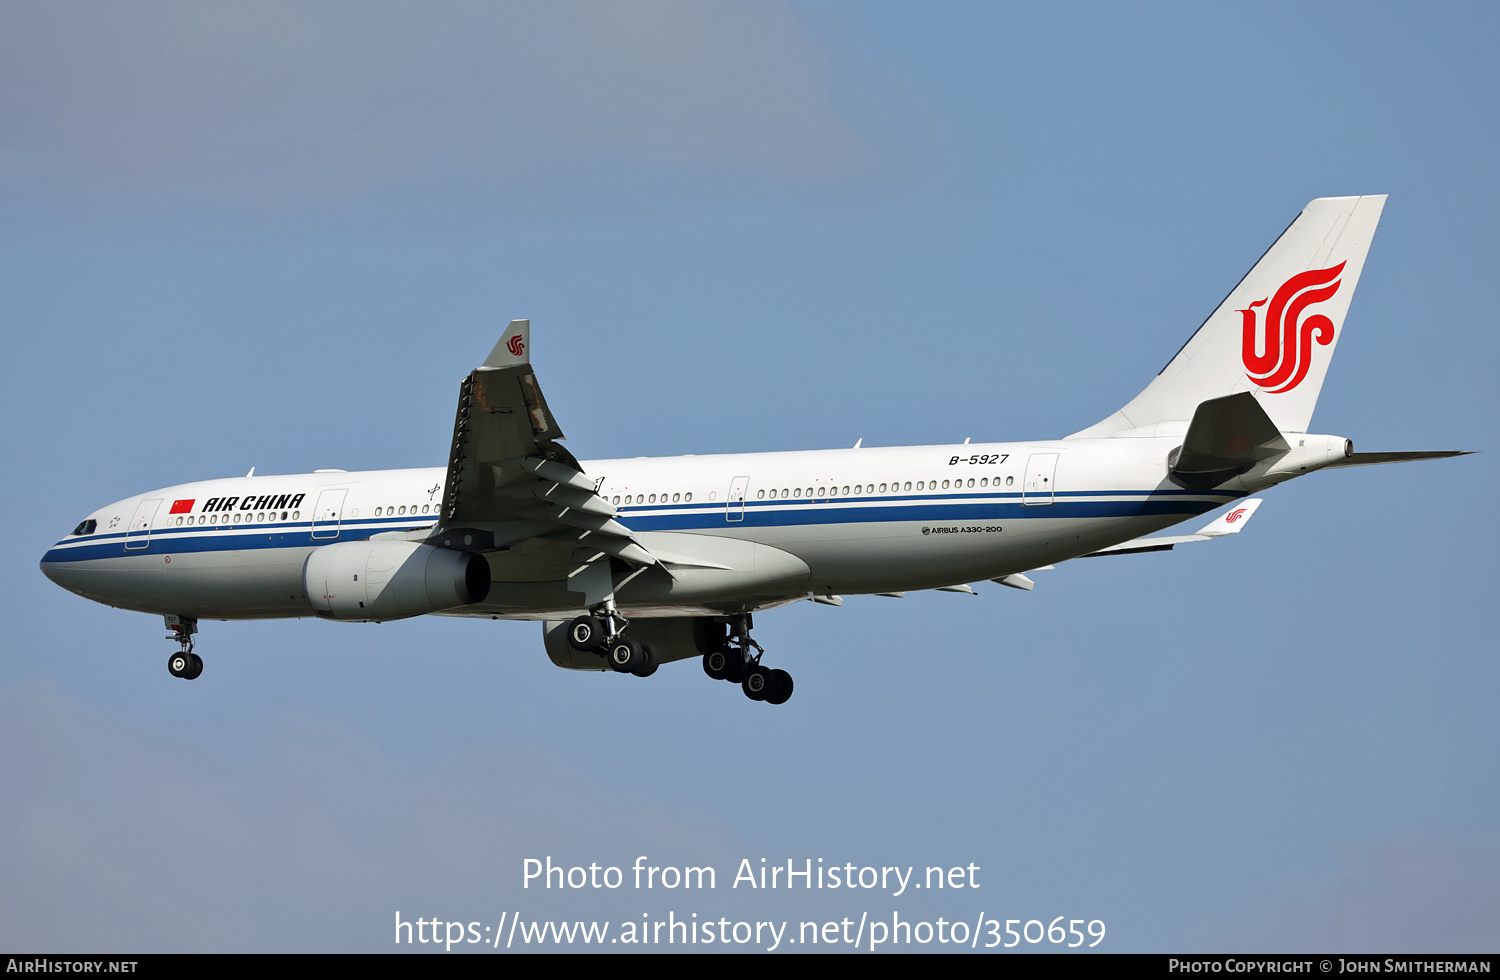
(1226, 437)
(1368, 459)
(1232, 522)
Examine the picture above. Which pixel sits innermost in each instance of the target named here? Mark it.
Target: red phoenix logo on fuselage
(1288, 344)
(515, 346)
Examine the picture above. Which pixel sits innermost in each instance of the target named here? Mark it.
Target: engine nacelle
(380, 580)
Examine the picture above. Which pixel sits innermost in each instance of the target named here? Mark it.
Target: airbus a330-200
(633, 563)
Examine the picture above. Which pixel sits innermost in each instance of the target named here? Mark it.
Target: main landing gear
(732, 661)
(184, 663)
(603, 633)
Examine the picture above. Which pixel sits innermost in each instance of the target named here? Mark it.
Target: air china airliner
(631, 563)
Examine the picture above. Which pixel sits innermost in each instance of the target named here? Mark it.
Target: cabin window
(846, 491)
(1009, 480)
(295, 513)
(820, 491)
(760, 495)
(236, 518)
(428, 507)
(283, 515)
(677, 496)
(687, 498)
(971, 481)
(797, 492)
(832, 492)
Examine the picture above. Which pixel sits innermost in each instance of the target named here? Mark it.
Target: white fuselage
(844, 521)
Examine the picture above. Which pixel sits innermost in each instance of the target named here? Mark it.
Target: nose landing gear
(184, 663)
(732, 661)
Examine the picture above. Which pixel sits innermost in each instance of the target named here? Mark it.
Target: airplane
(633, 563)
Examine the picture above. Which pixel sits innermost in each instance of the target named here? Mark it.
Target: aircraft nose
(57, 571)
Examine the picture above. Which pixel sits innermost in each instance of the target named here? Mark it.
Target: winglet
(513, 349)
(1233, 522)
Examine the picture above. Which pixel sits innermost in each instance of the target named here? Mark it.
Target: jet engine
(380, 580)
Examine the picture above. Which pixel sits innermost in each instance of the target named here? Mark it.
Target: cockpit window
(87, 527)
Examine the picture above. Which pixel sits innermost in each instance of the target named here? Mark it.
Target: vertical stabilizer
(1275, 332)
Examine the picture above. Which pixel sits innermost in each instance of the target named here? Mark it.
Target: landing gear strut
(602, 632)
(184, 663)
(732, 660)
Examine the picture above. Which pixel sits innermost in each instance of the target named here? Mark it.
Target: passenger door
(329, 512)
(734, 507)
(138, 534)
(1038, 485)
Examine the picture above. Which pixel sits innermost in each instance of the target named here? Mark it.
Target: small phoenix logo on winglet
(1234, 515)
(1288, 344)
(514, 345)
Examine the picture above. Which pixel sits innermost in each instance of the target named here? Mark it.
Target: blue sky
(279, 234)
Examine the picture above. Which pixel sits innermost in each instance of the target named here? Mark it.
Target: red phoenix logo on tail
(1288, 343)
(515, 346)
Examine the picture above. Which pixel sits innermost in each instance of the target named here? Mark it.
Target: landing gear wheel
(718, 663)
(757, 682)
(648, 663)
(781, 687)
(195, 668)
(586, 634)
(178, 664)
(626, 655)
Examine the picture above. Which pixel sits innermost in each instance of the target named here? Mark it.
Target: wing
(508, 477)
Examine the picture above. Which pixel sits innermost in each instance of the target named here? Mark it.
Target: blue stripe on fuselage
(685, 517)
